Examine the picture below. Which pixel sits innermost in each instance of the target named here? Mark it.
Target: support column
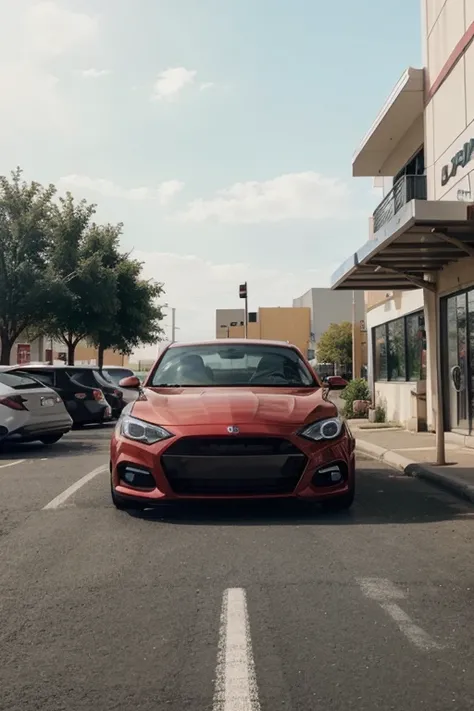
(435, 400)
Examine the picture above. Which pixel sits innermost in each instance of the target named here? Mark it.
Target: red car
(231, 419)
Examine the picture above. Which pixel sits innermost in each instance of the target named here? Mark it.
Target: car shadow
(383, 497)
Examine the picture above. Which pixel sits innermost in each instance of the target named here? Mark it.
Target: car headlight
(323, 430)
(141, 431)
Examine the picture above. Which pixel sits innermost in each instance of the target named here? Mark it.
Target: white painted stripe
(62, 498)
(12, 464)
(385, 592)
(236, 682)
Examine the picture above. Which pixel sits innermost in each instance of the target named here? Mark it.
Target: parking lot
(101, 609)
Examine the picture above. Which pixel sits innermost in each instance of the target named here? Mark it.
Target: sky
(220, 132)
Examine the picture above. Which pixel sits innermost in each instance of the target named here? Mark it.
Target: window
(396, 350)
(400, 349)
(380, 352)
(232, 365)
(416, 347)
(18, 381)
(44, 376)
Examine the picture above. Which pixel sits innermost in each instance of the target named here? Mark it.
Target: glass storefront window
(400, 349)
(396, 350)
(416, 347)
(380, 352)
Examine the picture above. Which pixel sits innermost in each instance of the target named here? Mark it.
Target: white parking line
(61, 498)
(236, 683)
(385, 592)
(12, 464)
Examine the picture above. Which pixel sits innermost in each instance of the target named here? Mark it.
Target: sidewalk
(415, 453)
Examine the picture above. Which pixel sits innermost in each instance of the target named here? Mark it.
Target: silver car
(30, 411)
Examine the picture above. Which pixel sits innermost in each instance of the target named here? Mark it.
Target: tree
(85, 295)
(25, 289)
(335, 345)
(138, 316)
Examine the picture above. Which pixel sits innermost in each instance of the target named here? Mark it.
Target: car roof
(233, 342)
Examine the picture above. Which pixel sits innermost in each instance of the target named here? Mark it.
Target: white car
(30, 411)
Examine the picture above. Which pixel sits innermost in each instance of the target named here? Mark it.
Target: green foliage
(25, 291)
(335, 345)
(137, 318)
(356, 390)
(64, 276)
(380, 415)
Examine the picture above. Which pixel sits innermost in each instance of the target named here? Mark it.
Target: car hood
(232, 406)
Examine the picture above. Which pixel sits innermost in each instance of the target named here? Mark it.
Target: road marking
(12, 464)
(385, 592)
(61, 498)
(236, 682)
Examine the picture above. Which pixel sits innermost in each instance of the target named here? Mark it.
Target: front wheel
(340, 503)
(51, 439)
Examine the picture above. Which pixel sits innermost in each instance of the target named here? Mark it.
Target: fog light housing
(330, 475)
(136, 477)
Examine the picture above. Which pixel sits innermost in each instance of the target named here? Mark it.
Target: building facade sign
(460, 160)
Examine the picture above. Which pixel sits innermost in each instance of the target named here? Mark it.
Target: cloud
(171, 82)
(294, 196)
(196, 287)
(163, 193)
(53, 30)
(32, 37)
(206, 85)
(95, 73)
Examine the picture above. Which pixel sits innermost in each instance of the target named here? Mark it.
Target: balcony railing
(409, 187)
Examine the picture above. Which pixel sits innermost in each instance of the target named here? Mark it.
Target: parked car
(233, 419)
(91, 377)
(86, 405)
(30, 411)
(116, 373)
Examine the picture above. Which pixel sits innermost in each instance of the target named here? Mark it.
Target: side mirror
(131, 383)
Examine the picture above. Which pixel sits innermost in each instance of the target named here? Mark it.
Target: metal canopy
(422, 238)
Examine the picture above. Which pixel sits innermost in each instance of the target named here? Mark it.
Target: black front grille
(227, 466)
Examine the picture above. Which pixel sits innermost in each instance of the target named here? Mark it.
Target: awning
(423, 236)
(402, 108)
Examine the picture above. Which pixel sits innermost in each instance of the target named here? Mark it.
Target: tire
(340, 503)
(51, 439)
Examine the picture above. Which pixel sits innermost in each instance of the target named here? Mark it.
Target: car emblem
(233, 430)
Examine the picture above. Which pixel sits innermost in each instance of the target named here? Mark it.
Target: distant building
(45, 350)
(227, 319)
(329, 307)
(269, 323)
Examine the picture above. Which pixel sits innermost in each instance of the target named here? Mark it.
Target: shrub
(356, 390)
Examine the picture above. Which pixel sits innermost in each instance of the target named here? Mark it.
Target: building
(44, 350)
(227, 319)
(329, 307)
(418, 265)
(271, 323)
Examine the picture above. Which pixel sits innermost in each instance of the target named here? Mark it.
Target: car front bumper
(258, 463)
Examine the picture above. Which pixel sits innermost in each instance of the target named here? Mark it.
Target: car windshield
(232, 365)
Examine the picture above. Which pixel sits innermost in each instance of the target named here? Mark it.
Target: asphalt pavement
(229, 607)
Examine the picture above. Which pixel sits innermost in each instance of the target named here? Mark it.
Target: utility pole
(243, 294)
(173, 325)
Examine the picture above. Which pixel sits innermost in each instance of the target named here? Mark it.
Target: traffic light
(243, 291)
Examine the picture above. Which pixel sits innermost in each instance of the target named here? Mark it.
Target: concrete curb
(449, 482)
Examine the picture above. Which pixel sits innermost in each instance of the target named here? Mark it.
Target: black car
(92, 377)
(85, 404)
